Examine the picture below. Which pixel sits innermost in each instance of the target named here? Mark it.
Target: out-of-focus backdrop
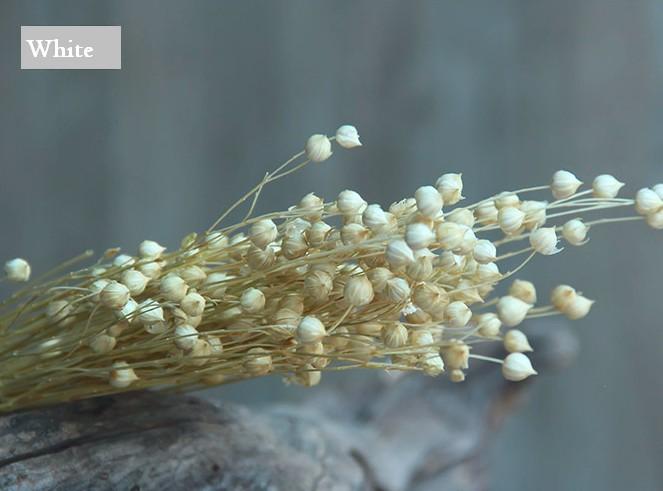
(213, 93)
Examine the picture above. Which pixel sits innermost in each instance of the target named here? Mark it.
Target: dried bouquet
(322, 286)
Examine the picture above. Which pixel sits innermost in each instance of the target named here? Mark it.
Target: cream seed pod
(193, 275)
(17, 269)
(263, 233)
(354, 233)
(152, 269)
(450, 235)
(58, 311)
(512, 311)
(484, 251)
(577, 308)
(606, 186)
(488, 325)
(216, 241)
(308, 376)
(419, 236)
(260, 259)
(456, 355)
(122, 375)
(347, 136)
(128, 312)
(469, 241)
(135, 281)
(379, 278)
(398, 290)
(312, 206)
(350, 203)
(150, 312)
(575, 232)
(251, 301)
(515, 341)
(517, 367)
(561, 296)
(457, 314)
(486, 213)
(564, 184)
(358, 291)
(399, 254)
(374, 217)
(185, 337)
(310, 330)
(510, 220)
(200, 352)
(215, 286)
(123, 261)
(655, 220)
(318, 148)
(507, 199)
(173, 288)
(457, 376)
(149, 249)
(114, 296)
(432, 365)
(544, 241)
(421, 269)
(647, 201)
(429, 201)
(394, 335)
(102, 343)
(403, 207)
(294, 246)
(658, 189)
(317, 234)
(193, 304)
(317, 286)
(524, 290)
(462, 216)
(450, 186)
(535, 213)
(96, 287)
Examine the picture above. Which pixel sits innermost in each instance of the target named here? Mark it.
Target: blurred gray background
(213, 93)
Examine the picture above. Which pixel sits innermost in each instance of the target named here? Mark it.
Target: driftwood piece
(368, 433)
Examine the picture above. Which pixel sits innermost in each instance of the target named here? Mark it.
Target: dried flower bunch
(321, 286)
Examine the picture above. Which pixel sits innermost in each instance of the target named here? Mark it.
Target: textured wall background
(212, 93)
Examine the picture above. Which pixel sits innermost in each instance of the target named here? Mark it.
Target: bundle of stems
(322, 286)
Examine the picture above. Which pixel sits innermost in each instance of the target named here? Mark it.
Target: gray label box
(71, 47)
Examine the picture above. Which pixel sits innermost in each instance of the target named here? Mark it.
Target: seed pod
(515, 341)
(350, 203)
(399, 253)
(173, 287)
(96, 287)
(457, 314)
(462, 216)
(252, 300)
(378, 278)
(418, 236)
(150, 312)
(258, 361)
(507, 199)
(347, 136)
(403, 207)
(200, 353)
(374, 217)
(135, 281)
(561, 296)
(510, 220)
(259, 259)
(647, 201)
(394, 335)
(122, 376)
(429, 201)
(456, 376)
(450, 186)
(102, 343)
(421, 269)
(318, 148)
(432, 365)
(148, 249)
(58, 312)
(123, 261)
(564, 184)
(466, 245)
(544, 241)
(655, 219)
(484, 252)
(185, 337)
(317, 286)
(312, 206)
(294, 246)
(215, 285)
(511, 310)
(517, 367)
(575, 232)
(358, 291)
(606, 186)
(310, 330)
(489, 325)
(535, 213)
(467, 293)
(524, 290)
(114, 296)
(116, 329)
(486, 213)
(353, 233)
(450, 235)
(428, 295)
(577, 308)
(397, 290)
(18, 269)
(217, 241)
(193, 275)
(456, 355)
(317, 234)
(263, 232)
(152, 269)
(128, 312)
(307, 376)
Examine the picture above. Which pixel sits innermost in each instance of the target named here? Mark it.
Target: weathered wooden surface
(415, 433)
